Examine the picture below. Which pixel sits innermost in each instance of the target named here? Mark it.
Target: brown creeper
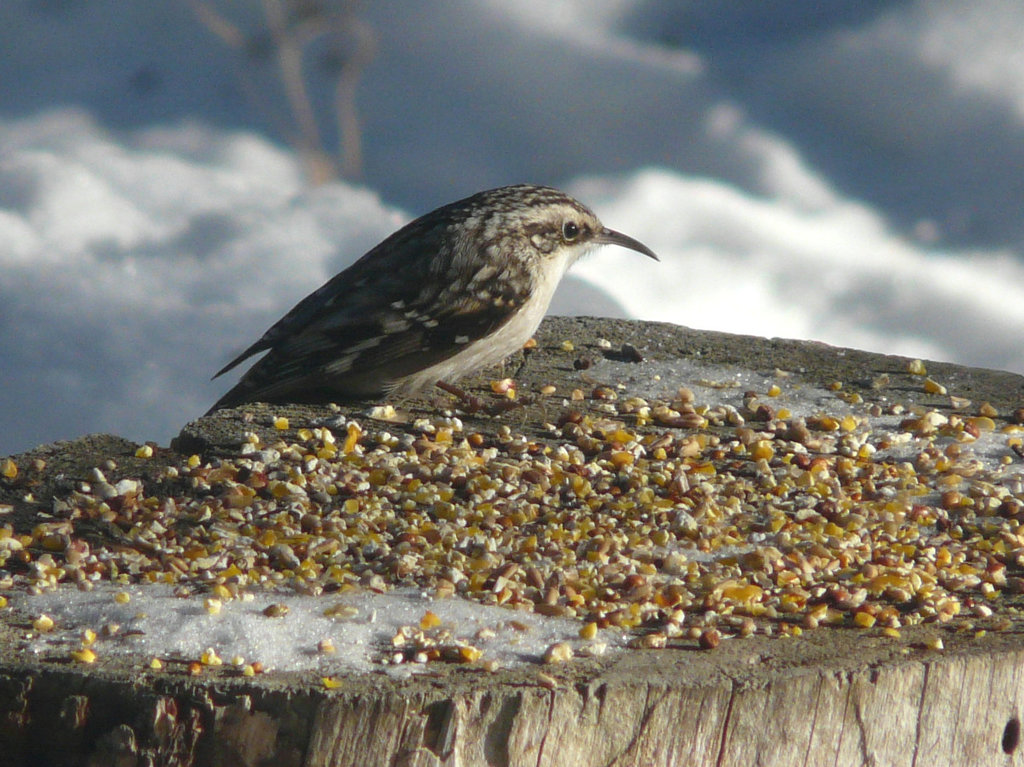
(453, 291)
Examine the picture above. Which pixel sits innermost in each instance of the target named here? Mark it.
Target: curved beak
(610, 237)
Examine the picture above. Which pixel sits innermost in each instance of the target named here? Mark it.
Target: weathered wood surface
(832, 697)
(960, 707)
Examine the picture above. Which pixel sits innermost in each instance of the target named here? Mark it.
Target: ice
(154, 623)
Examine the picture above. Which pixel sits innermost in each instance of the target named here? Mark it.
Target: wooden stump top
(890, 680)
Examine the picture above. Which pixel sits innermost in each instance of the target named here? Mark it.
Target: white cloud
(149, 227)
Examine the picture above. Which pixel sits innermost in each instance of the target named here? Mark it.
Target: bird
(453, 291)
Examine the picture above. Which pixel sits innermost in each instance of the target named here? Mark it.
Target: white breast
(506, 340)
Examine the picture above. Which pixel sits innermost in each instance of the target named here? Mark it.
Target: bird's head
(550, 223)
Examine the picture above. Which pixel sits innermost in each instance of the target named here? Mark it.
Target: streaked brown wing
(342, 352)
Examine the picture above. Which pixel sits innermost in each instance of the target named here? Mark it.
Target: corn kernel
(589, 631)
(916, 368)
(352, 435)
(864, 619)
(762, 450)
(85, 655)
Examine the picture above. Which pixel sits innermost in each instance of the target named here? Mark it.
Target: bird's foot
(473, 404)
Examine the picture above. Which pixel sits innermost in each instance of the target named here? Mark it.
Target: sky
(839, 171)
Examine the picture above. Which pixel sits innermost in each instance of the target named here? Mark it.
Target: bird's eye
(570, 231)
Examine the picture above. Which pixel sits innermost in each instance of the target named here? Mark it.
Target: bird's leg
(472, 403)
(528, 348)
